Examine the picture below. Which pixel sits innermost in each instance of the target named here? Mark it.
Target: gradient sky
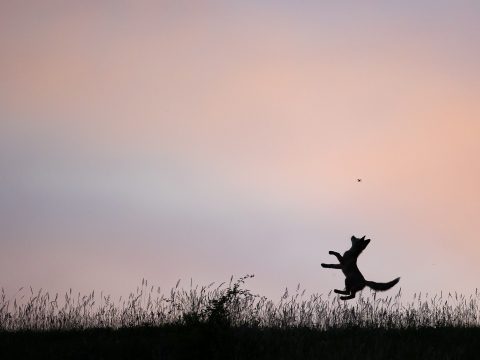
(203, 139)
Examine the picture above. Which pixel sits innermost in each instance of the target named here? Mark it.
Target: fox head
(359, 244)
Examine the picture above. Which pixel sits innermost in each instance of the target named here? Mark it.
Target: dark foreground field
(229, 322)
(207, 342)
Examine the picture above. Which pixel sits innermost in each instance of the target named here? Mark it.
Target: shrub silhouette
(219, 311)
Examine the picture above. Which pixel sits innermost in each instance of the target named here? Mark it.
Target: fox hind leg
(348, 297)
(341, 292)
(350, 290)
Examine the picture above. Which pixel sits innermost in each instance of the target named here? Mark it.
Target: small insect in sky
(359, 180)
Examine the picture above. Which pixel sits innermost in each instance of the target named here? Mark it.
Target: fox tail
(382, 286)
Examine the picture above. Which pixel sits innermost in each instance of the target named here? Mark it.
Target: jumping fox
(354, 280)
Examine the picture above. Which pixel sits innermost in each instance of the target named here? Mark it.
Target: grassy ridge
(229, 322)
(234, 305)
(211, 342)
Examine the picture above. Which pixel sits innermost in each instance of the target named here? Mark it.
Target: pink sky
(169, 140)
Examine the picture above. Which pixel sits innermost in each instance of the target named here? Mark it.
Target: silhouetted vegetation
(229, 321)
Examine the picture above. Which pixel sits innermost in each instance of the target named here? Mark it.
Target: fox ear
(363, 238)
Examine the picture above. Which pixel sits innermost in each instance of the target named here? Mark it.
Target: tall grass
(231, 304)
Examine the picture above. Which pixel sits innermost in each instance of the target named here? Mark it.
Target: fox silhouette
(354, 280)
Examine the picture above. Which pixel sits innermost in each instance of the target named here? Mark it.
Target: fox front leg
(341, 292)
(332, 266)
(337, 255)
